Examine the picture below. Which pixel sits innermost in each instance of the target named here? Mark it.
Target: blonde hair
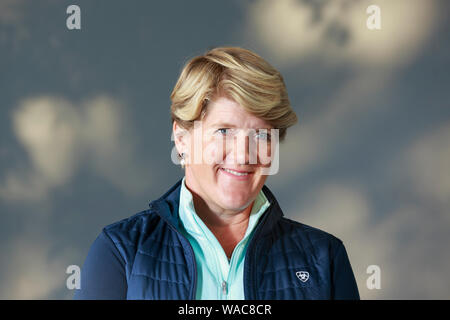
(238, 74)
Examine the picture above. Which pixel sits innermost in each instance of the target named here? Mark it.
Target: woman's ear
(181, 138)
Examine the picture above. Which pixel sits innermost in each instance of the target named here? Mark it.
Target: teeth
(235, 173)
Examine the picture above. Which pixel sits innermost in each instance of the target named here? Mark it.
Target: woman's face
(227, 138)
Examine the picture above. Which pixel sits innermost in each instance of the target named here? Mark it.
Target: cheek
(264, 151)
(213, 154)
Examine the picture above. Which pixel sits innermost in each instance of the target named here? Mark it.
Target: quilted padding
(284, 260)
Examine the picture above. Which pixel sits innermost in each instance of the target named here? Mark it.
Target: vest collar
(167, 206)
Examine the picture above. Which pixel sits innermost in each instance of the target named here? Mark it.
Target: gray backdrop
(85, 133)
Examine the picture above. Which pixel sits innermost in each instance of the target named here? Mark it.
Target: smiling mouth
(236, 173)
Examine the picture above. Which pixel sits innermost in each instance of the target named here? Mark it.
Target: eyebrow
(229, 125)
(223, 124)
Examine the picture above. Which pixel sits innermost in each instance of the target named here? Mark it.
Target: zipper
(252, 243)
(191, 250)
(232, 263)
(224, 288)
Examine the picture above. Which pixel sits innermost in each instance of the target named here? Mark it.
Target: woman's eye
(222, 130)
(263, 136)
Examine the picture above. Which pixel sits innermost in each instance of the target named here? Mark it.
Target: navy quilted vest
(160, 262)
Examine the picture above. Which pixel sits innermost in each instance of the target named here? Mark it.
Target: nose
(244, 149)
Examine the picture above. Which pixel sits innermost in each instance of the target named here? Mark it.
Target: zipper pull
(224, 287)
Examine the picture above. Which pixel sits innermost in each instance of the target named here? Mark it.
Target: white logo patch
(303, 276)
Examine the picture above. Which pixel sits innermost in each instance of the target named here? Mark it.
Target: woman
(219, 233)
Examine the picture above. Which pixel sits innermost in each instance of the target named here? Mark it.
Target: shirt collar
(195, 226)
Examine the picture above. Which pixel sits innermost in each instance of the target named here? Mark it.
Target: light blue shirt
(217, 277)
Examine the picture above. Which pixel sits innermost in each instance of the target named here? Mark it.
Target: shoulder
(130, 231)
(310, 239)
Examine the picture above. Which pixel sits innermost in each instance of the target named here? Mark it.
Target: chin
(235, 201)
